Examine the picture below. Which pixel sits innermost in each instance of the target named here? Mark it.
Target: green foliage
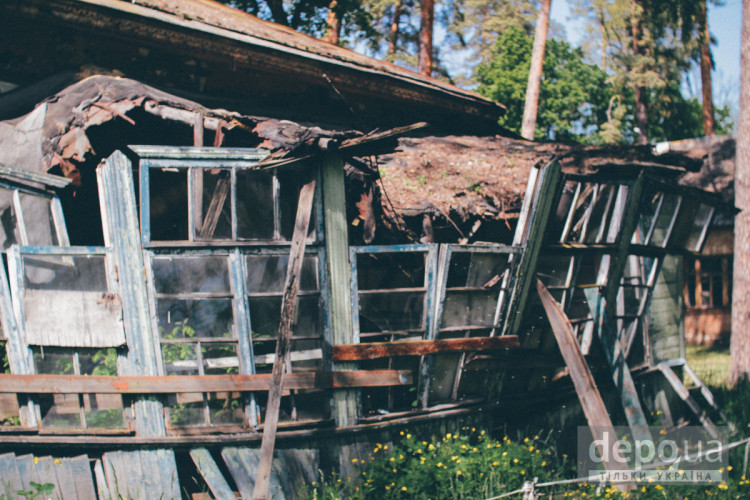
(4, 363)
(574, 95)
(105, 362)
(37, 491)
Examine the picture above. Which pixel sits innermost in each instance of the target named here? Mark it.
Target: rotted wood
(375, 350)
(77, 384)
(283, 344)
(588, 394)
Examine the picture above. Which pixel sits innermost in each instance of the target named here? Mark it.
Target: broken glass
(662, 226)
(168, 204)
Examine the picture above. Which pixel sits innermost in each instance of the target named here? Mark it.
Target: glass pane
(168, 188)
(190, 318)
(267, 273)
(393, 311)
(193, 274)
(469, 309)
(377, 271)
(60, 410)
(225, 409)
(37, 216)
(180, 359)
(183, 414)
(255, 210)
(664, 219)
(215, 205)
(220, 359)
(444, 376)
(265, 315)
(629, 299)
(9, 232)
(63, 272)
(476, 269)
(51, 361)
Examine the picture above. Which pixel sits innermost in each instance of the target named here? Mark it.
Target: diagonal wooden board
(288, 305)
(588, 394)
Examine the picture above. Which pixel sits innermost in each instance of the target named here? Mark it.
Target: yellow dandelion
(403, 488)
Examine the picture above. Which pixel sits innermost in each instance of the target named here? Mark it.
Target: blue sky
(724, 22)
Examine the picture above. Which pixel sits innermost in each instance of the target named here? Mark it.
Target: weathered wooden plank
(120, 216)
(211, 474)
(102, 488)
(151, 480)
(80, 469)
(238, 471)
(588, 394)
(69, 318)
(684, 394)
(74, 384)
(218, 198)
(10, 478)
(27, 470)
(170, 484)
(45, 467)
(283, 344)
(65, 480)
(338, 278)
(618, 367)
(375, 350)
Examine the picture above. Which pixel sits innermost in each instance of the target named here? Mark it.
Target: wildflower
(403, 488)
(440, 464)
(448, 436)
(458, 473)
(531, 448)
(515, 460)
(57, 461)
(495, 463)
(36, 460)
(431, 447)
(408, 436)
(354, 460)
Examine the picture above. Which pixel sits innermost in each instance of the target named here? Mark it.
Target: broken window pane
(290, 184)
(255, 206)
(390, 270)
(9, 230)
(601, 213)
(168, 202)
(213, 204)
(580, 212)
(663, 224)
(691, 224)
(391, 311)
(647, 210)
(37, 217)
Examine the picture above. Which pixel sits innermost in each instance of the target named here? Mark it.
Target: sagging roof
(228, 56)
(460, 180)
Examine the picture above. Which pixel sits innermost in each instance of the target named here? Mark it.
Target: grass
(710, 363)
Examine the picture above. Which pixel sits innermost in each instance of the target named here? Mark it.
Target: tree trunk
(277, 11)
(740, 341)
(706, 64)
(528, 125)
(641, 113)
(393, 36)
(425, 37)
(333, 23)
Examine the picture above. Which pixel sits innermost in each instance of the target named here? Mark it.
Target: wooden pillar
(339, 277)
(122, 233)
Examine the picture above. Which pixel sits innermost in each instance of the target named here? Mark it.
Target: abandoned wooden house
(302, 289)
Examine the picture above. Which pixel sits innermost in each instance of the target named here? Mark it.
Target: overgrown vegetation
(474, 465)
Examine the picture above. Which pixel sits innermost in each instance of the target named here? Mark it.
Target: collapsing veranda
(160, 344)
